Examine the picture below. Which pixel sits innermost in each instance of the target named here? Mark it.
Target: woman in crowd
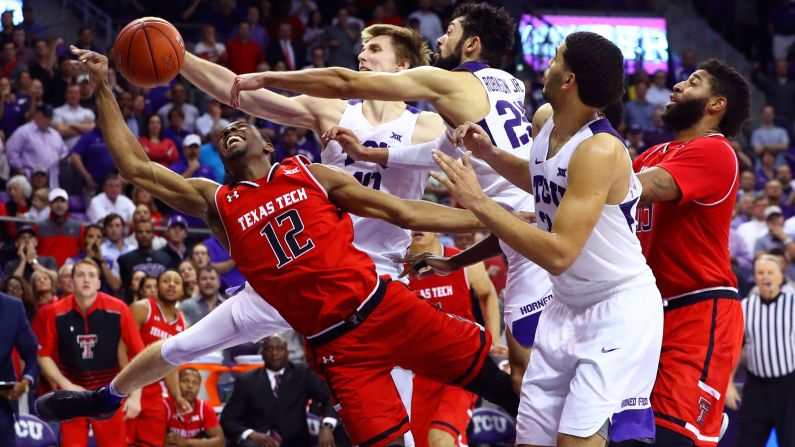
(19, 190)
(159, 149)
(43, 288)
(147, 288)
(19, 288)
(190, 280)
(142, 197)
(109, 270)
(135, 283)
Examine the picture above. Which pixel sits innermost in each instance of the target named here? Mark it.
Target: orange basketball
(149, 52)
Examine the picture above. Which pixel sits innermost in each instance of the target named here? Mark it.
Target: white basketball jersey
(379, 239)
(612, 254)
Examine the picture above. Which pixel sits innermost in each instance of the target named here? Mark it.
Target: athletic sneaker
(59, 406)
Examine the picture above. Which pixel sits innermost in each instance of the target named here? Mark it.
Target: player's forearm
(172, 383)
(515, 169)
(211, 78)
(426, 216)
(490, 308)
(52, 373)
(486, 248)
(332, 82)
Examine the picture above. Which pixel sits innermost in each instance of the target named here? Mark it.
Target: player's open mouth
(233, 139)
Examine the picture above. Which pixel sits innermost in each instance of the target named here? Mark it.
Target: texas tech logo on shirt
(87, 342)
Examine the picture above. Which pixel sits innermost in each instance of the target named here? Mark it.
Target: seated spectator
(766, 170)
(208, 298)
(341, 38)
(747, 183)
(135, 284)
(11, 67)
(317, 59)
(179, 100)
(142, 197)
(29, 104)
(774, 193)
(27, 259)
(659, 94)
(11, 112)
(176, 233)
(776, 238)
(43, 287)
(430, 24)
(190, 280)
(87, 99)
(92, 249)
(18, 189)
(92, 160)
(634, 142)
(189, 165)
(114, 244)
(784, 175)
(39, 209)
(639, 110)
(72, 120)
(770, 137)
(59, 235)
(29, 22)
(142, 214)
(284, 48)
(37, 144)
(244, 54)
(22, 83)
(659, 132)
(85, 39)
(258, 33)
(287, 146)
(200, 423)
(128, 113)
(314, 34)
(756, 227)
(175, 130)
(147, 287)
(158, 148)
(211, 118)
(65, 282)
(686, 66)
(271, 402)
(779, 91)
(209, 156)
(111, 200)
(743, 157)
(19, 288)
(144, 257)
(743, 210)
(210, 49)
(200, 255)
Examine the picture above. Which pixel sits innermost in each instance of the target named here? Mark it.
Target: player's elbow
(561, 262)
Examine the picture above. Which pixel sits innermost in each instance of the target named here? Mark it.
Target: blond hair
(409, 45)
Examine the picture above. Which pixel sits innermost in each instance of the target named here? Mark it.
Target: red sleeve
(44, 328)
(172, 153)
(210, 419)
(706, 171)
(129, 332)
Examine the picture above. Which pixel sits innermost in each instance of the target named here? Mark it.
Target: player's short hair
(86, 261)
(598, 66)
(730, 84)
(190, 370)
(409, 45)
(494, 27)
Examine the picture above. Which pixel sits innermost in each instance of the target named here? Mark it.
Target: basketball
(149, 52)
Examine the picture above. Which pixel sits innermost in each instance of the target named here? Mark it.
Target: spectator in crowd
(784, 175)
(65, 75)
(7, 21)
(271, 402)
(200, 423)
(283, 48)
(39, 179)
(144, 257)
(219, 257)
(86, 92)
(20, 289)
(142, 213)
(44, 288)
(179, 100)
(756, 227)
(747, 183)
(225, 18)
(157, 318)
(774, 193)
(108, 268)
(779, 91)
(776, 238)
(209, 156)
(769, 347)
(39, 207)
(147, 287)
(743, 210)
(135, 284)
(175, 131)
(200, 255)
(189, 165)
(91, 159)
(767, 168)
(314, 33)
(317, 59)
(29, 104)
(27, 259)
(770, 137)
(85, 39)
(44, 66)
(142, 197)
(25, 54)
(686, 66)
(743, 157)
(391, 16)
(59, 235)
(190, 280)
(15, 336)
(341, 39)
(659, 131)
(11, 67)
(19, 190)
(114, 244)
(22, 83)
(37, 144)
(258, 33)
(158, 149)
(212, 117)
(634, 141)
(126, 106)
(244, 54)
(29, 23)
(111, 200)
(209, 48)
(287, 146)
(430, 24)
(639, 110)
(78, 349)
(176, 233)
(782, 27)
(11, 112)
(71, 120)
(65, 282)
(208, 298)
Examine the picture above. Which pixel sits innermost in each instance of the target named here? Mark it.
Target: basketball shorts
(149, 428)
(400, 330)
(594, 363)
(108, 433)
(701, 346)
(442, 407)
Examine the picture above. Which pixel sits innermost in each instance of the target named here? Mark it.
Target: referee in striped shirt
(769, 353)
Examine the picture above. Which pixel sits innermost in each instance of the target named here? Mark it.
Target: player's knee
(177, 350)
(440, 438)
(595, 440)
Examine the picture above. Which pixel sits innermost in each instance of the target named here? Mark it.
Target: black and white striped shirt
(770, 334)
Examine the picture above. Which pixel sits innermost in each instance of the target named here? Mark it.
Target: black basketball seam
(129, 50)
(176, 53)
(151, 55)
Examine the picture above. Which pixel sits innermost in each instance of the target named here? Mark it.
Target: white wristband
(246, 434)
(330, 421)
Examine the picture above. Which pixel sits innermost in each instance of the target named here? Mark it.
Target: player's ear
(717, 104)
(472, 45)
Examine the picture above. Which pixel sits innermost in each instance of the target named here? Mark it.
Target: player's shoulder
(713, 142)
(602, 144)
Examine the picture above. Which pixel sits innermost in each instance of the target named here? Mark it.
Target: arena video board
(641, 39)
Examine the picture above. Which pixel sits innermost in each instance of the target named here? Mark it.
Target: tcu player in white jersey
(598, 344)
(461, 87)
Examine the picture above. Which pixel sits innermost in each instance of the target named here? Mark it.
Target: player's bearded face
(685, 113)
(451, 60)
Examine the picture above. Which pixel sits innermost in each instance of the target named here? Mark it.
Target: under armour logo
(234, 195)
(704, 406)
(562, 172)
(396, 136)
(329, 359)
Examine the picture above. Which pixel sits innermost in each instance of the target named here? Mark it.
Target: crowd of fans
(70, 205)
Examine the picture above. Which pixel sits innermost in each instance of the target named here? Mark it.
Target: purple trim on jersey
(472, 66)
(524, 329)
(603, 125)
(626, 208)
(411, 109)
(636, 423)
(482, 123)
(353, 102)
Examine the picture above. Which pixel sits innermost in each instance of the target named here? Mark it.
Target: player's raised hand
(245, 82)
(353, 147)
(425, 264)
(475, 139)
(94, 63)
(460, 179)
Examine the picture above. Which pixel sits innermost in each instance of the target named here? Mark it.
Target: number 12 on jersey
(288, 248)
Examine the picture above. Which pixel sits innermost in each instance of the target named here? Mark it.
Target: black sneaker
(59, 406)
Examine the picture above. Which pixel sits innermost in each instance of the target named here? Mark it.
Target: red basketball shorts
(108, 433)
(443, 407)
(700, 348)
(402, 330)
(149, 428)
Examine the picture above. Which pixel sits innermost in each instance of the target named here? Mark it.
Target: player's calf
(441, 438)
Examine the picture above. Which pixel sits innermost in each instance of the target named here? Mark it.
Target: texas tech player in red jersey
(287, 230)
(200, 423)
(440, 413)
(157, 319)
(689, 190)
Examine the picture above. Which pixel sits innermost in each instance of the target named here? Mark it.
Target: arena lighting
(14, 6)
(641, 39)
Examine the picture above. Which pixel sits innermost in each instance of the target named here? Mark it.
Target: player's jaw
(683, 113)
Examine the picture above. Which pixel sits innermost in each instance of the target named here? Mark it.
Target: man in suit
(284, 48)
(15, 332)
(268, 405)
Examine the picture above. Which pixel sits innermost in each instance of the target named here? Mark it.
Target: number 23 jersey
(295, 247)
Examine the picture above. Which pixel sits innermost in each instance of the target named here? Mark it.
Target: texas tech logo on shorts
(703, 406)
(87, 342)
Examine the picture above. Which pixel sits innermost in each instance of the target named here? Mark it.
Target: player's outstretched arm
(513, 168)
(299, 111)
(427, 264)
(349, 195)
(188, 196)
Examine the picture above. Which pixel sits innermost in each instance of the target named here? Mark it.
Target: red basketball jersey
(449, 293)
(295, 247)
(157, 327)
(194, 424)
(686, 243)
